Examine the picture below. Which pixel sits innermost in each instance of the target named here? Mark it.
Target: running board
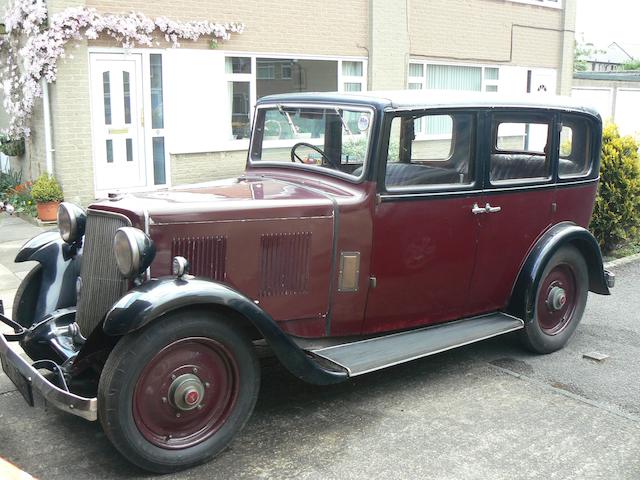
(375, 353)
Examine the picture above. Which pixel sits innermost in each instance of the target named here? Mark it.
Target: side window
(520, 149)
(431, 150)
(575, 147)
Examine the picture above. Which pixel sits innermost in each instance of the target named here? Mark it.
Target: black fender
(522, 301)
(157, 297)
(60, 268)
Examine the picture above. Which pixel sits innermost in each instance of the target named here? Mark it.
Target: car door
(424, 231)
(518, 201)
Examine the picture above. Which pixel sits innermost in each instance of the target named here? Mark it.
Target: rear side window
(432, 150)
(575, 147)
(520, 149)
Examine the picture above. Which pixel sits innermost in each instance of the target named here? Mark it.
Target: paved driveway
(486, 411)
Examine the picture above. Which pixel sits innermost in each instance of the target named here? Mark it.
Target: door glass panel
(159, 177)
(109, 151)
(106, 93)
(129, 150)
(418, 160)
(520, 151)
(127, 97)
(157, 108)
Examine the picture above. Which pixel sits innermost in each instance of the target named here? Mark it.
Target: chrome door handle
(476, 210)
(490, 209)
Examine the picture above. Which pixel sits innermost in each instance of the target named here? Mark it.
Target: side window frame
(475, 163)
(525, 115)
(593, 153)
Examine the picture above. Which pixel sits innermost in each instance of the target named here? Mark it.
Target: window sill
(539, 3)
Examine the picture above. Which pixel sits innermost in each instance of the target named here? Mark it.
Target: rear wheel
(174, 394)
(560, 300)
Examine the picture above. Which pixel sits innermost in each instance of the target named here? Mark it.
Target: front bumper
(33, 386)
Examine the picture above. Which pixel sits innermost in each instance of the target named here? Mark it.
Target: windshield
(335, 138)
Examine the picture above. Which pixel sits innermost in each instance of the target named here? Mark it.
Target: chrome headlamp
(71, 222)
(134, 251)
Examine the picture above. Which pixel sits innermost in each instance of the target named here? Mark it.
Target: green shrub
(616, 215)
(9, 180)
(12, 148)
(46, 189)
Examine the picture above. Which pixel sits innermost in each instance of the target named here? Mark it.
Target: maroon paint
(575, 203)
(423, 256)
(504, 240)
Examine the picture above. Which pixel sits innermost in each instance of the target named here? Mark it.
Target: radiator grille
(206, 255)
(284, 263)
(102, 283)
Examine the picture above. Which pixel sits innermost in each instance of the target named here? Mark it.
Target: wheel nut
(178, 415)
(164, 399)
(207, 384)
(195, 370)
(173, 377)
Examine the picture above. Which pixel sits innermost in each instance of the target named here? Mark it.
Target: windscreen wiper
(288, 116)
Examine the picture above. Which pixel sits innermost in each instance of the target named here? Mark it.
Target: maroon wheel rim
(557, 299)
(185, 393)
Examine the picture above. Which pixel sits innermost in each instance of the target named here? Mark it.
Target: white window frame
(557, 4)
(422, 81)
(243, 144)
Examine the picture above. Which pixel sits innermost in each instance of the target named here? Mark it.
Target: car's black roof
(425, 99)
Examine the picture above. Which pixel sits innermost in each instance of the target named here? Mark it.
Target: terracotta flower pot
(47, 212)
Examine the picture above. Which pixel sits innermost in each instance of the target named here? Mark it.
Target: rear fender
(60, 268)
(151, 300)
(522, 300)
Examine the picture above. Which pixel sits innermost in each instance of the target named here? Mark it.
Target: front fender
(60, 268)
(522, 300)
(157, 297)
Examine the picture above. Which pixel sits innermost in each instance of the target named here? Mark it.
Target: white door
(118, 129)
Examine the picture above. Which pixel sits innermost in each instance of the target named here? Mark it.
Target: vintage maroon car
(367, 231)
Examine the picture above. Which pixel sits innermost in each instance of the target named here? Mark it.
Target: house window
(468, 78)
(543, 3)
(157, 119)
(250, 78)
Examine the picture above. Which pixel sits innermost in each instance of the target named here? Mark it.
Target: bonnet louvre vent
(284, 264)
(206, 255)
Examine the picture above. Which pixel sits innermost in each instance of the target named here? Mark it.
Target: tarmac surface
(485, 411)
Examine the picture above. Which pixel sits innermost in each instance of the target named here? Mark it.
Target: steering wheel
(324, 156)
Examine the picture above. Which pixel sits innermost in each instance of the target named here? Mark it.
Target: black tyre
(560, 300)
(26, 298)
(175, 393)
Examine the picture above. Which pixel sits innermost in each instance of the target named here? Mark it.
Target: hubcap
(186, 393)
(556, 299)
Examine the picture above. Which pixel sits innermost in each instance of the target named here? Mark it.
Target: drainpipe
(48, 149)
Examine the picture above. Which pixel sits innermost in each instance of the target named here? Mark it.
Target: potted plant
(47, 194)
(11, 147)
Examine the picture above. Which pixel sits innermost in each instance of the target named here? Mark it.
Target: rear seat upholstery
(507, 166)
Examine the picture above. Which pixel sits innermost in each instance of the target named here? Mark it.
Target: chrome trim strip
(86, 408)
(109, 214)
(243, 220)
(422, 193)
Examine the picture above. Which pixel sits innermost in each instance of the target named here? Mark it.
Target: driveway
(485, 411)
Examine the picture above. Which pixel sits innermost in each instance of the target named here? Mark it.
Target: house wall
(387, 33)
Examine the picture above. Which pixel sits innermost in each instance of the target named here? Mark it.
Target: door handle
(476, 210)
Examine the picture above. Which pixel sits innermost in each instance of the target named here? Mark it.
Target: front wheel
(561, 296)
(175, 393)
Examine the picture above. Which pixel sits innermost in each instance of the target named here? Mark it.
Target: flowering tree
(31, 49)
